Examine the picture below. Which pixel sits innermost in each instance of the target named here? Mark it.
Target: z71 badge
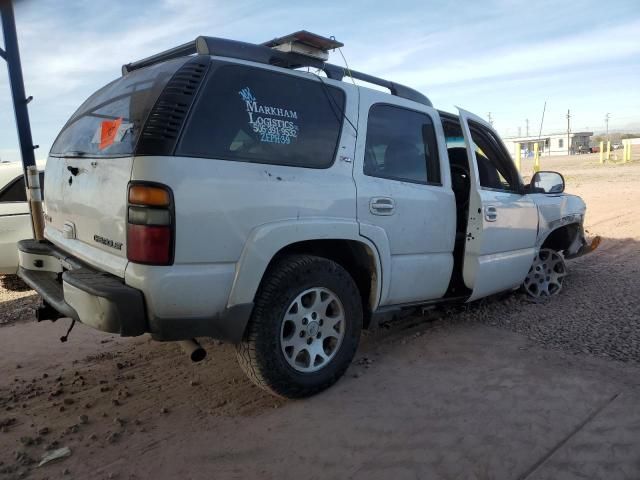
(108, 242)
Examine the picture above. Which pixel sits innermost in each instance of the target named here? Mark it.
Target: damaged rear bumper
(104, 302)
(93, 298)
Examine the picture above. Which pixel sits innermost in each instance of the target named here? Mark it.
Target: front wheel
(546, 275)
(304, 329)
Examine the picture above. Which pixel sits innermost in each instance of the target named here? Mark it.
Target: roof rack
(224, 47)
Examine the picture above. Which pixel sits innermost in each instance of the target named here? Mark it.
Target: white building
(552, 144)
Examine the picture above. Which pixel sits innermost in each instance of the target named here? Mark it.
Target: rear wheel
(304, 329)
(546, 275)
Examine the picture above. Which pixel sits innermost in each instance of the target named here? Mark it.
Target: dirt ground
(502, 388)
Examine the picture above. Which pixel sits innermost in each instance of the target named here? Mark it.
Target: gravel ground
(17, 304)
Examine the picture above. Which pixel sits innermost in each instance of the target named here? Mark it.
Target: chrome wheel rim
(312, 330)
(546, 275)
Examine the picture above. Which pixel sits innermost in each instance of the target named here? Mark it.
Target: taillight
(150, 224)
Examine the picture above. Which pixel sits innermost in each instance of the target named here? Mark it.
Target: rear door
(90, 166)
(503, 223)
(404, 194)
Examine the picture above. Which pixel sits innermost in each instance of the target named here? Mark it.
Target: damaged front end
(561, 226)
(581, 245)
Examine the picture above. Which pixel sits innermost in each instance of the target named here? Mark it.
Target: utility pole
(490, 119)
(12, 56)
(568, 132)
(544, 109)
(20, 100)
(527, 122)
(606, 121)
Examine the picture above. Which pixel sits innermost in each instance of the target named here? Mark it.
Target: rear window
(256, 115)
(110, 121)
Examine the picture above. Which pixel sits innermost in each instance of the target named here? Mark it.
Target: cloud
(544, 56)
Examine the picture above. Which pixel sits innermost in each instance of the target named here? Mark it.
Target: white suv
(233, 194)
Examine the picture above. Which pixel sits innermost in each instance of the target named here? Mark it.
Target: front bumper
(94, 298)
(103, 301)
(581, 246)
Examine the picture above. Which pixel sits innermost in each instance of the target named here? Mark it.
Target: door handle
(490, 213)
(382, 206)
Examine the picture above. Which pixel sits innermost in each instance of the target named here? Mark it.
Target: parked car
(15, 222)
(219, 189)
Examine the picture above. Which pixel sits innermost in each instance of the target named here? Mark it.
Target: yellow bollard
(518, 157)
(628, 150)
(608, 156)
(601, 152)
(536, 157)
(624, 151)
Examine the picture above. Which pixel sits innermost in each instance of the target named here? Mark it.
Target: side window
(14, 191)
(401, 145)
(495, 170)
(256, 115)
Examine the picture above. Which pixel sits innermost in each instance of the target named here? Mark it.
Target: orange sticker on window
(108, 132)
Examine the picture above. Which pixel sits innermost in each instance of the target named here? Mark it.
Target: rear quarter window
(255, 115)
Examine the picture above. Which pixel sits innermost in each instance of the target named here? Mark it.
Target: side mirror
(546, 182)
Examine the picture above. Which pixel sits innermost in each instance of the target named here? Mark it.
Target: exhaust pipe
(193, 349)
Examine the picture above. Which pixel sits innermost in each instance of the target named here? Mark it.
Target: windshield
(110, 121)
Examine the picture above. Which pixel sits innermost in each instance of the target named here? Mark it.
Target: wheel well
(355, 257)
(561, 238)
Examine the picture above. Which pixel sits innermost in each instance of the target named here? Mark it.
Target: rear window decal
(272, 124)
(110, 132)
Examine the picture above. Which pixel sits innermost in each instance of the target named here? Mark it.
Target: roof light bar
(305, 43)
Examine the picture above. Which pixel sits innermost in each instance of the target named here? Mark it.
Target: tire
(13, 283)
(304, 285)
(546, 274)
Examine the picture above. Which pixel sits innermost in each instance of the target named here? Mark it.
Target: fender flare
(265, 241)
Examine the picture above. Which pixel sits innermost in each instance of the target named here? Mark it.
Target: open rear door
(503, 222)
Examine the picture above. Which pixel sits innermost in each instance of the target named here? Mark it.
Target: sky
(500, 57)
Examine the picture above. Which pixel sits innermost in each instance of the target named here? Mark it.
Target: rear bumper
(94, 298)
(103, 301)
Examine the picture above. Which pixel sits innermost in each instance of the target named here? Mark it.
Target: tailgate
(86, 210)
